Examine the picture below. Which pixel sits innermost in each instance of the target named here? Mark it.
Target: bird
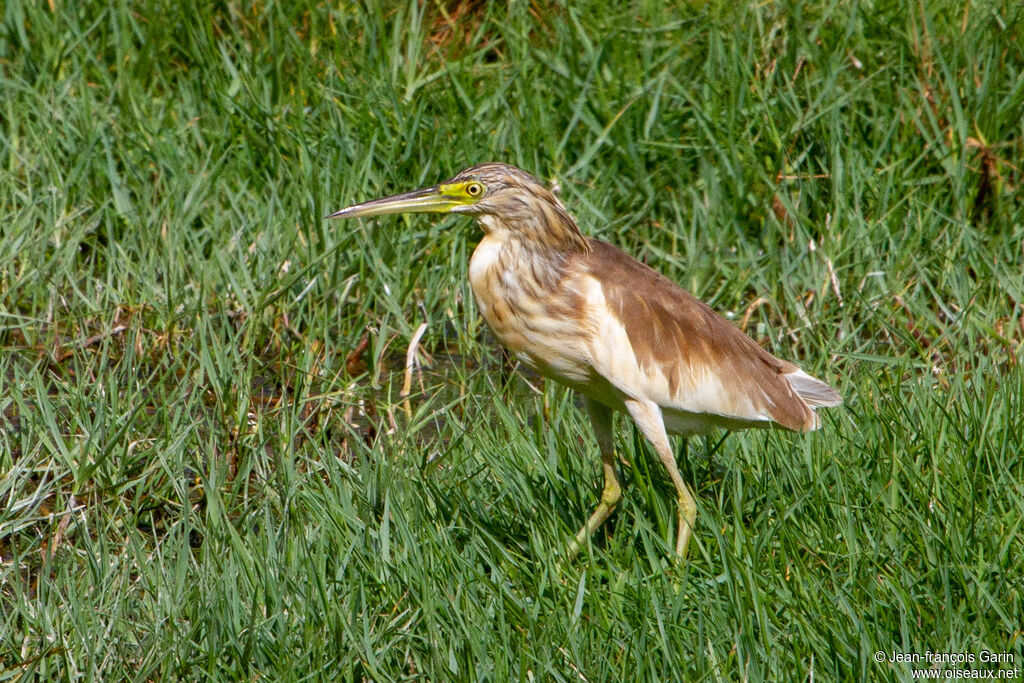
(584, 313)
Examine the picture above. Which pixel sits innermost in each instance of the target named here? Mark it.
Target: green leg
(647, 417)
(687, 516)
(601, 419)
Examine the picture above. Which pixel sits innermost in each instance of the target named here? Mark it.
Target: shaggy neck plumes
(527, 251)
(543, 226)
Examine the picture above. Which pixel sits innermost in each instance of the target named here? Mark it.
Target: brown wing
(675, 335)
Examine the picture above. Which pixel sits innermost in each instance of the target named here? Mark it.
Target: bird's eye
(474, 189)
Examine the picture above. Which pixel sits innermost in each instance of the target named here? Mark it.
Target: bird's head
(499, 196)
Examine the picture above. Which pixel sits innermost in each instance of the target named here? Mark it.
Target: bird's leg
(601, 419)
(647, 416)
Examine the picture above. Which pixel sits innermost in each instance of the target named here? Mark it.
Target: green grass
(200, 477)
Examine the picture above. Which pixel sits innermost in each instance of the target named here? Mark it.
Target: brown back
(671, 330)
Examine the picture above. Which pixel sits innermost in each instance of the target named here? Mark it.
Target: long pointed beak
(427, 200)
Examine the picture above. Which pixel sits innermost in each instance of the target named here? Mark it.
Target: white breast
(485, 257)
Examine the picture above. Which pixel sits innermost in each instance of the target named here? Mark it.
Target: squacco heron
(584, 313)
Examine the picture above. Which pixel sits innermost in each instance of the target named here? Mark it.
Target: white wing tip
(812, 390)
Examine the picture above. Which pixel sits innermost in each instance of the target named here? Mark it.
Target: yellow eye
(474, 189)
